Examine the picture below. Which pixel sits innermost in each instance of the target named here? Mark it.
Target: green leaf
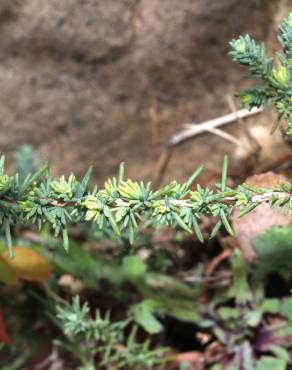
(133, 268)
(198, 230)
(31, 179)
(276, 123)
(89, 267)
(193, 177)
(65, 239)
(274, 248)
(143, 315)
(168, 285)
(181, 223)
(216, 229)
(170, 297)
(286, 308)
(180, 309)
(216, 367)
(271, 363)
(253, 189)
(244, 211)
(270, 305)
(2, 164)
(253, 318)
(8, 238)
(224, 173)
(85, 181)
(280, 352)
(121, 173)
(246, 351)
(229, 313)
(112, 221)
(184, 366)
(226, 223)
(240, 288)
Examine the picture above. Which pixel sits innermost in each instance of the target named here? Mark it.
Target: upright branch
(274, 83)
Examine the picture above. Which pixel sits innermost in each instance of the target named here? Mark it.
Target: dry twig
(191, 130)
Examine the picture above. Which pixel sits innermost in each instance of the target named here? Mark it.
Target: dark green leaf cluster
(246, 329)
(239, 315)
(121, 204)
(100, 339)
(275, 82)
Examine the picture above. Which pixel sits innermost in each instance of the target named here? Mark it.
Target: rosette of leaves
(255, 332)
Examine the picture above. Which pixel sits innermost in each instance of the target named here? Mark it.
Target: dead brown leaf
(261, 219)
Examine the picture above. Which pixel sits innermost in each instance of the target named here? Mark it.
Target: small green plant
(274, 80)
(98, 340)
(255, 331)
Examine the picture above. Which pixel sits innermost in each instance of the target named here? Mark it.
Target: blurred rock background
(95, 81)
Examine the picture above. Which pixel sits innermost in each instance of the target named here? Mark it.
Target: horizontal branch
(122, 203)
(258, 198)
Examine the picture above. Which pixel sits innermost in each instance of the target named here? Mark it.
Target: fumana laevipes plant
(122, 203)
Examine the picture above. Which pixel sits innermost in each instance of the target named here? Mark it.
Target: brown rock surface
(79, 77)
